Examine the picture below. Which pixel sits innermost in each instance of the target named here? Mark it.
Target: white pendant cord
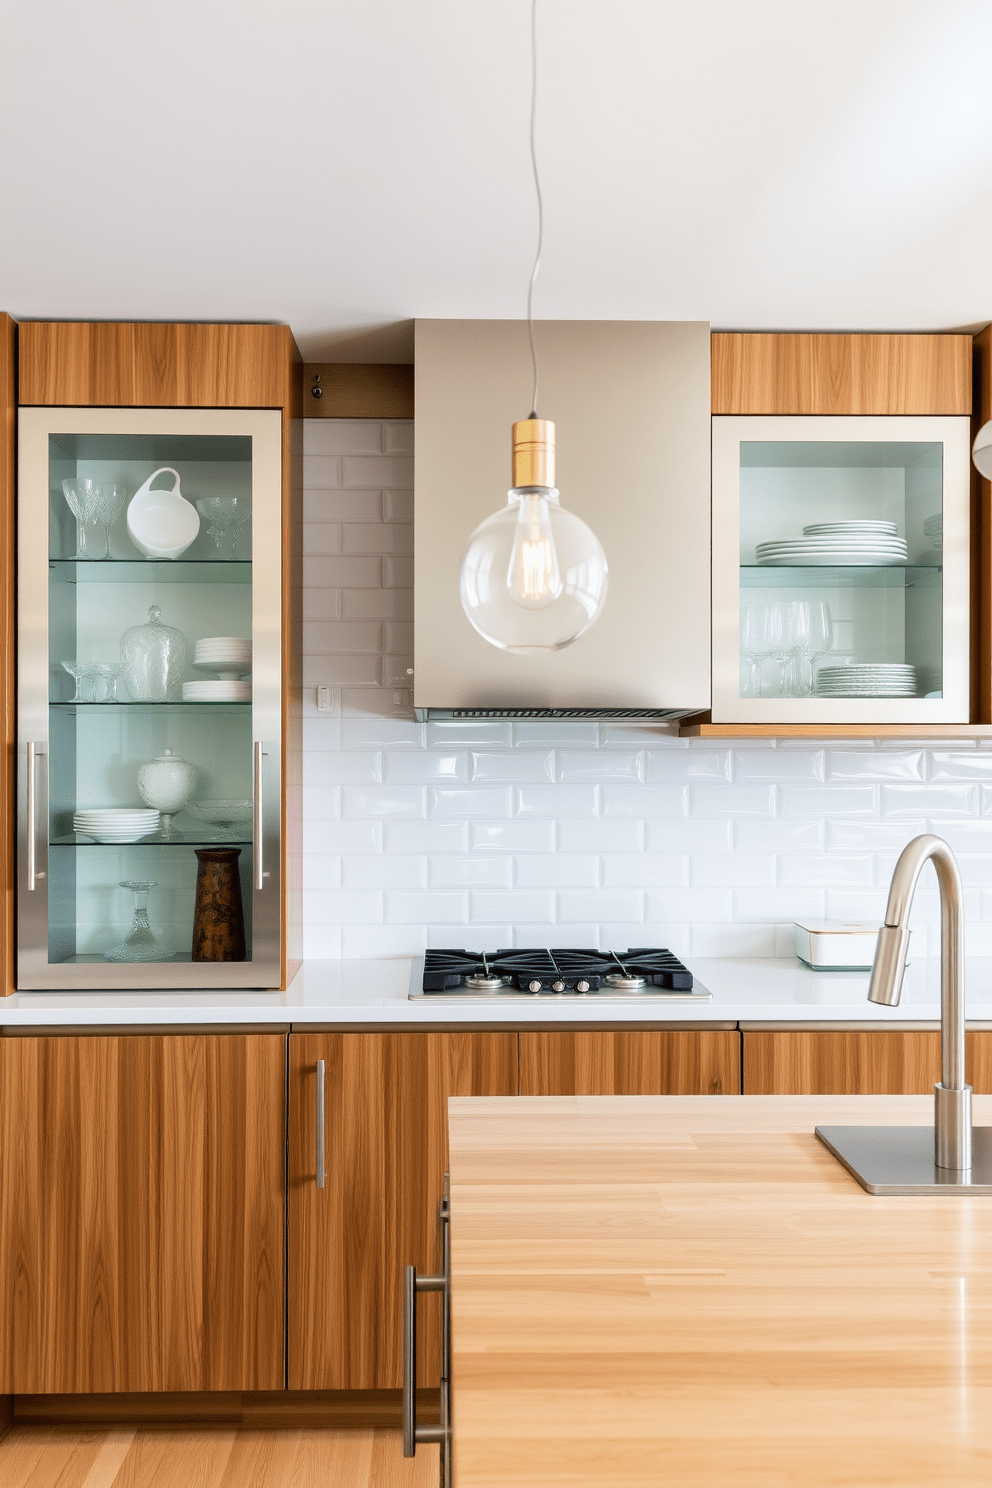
(540, 204)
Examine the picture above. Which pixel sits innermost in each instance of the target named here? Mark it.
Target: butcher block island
(693, 1291)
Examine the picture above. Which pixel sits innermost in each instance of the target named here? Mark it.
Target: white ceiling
(345, 165)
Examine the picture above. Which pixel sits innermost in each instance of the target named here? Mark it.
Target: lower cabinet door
(385, 1150)
(666, 1062)
(142, 1213)
(849, 1062)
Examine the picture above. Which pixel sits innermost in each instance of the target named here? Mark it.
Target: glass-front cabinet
(149, 698)
(841, 570)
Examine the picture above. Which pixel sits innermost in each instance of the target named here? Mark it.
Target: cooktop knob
(534, 986)
(582, 986)
(557, 986)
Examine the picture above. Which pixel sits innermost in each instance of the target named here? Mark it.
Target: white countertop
(374, 994)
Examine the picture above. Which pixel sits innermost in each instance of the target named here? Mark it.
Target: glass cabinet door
(841, 569)
(149, 698)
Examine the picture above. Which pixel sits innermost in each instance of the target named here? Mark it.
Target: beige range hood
(631, 403)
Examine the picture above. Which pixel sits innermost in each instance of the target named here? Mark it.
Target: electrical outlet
(325, 700)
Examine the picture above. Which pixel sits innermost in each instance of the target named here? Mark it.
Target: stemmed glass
(755, 645)
(81, 496)
(110, 674)
(814, 635)
(108, 506)
(139, 944)
(224, 515)
(782, 618)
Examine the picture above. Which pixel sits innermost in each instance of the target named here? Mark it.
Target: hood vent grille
(655, 714)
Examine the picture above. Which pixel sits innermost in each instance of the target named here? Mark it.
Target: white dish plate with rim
(827, 560)
(852, 526)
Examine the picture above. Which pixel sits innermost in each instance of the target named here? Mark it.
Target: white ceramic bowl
(161, 524)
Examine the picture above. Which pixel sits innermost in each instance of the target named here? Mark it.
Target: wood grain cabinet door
(142, 1213)
(849, 1062)
(665, 1062)
(386, 1144)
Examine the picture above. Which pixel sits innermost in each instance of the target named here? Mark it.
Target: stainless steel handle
(320, 1123)
(258, 822)
(34, 752)
(414, 1435)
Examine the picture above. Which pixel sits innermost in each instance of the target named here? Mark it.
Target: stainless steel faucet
(952, 1113)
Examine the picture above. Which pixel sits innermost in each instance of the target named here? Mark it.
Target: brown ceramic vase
(218, 916)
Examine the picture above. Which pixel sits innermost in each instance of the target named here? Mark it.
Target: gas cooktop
(641, 972)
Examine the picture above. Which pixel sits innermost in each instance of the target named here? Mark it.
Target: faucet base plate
(899, 1160)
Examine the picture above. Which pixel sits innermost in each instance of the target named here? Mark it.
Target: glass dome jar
(154, 657)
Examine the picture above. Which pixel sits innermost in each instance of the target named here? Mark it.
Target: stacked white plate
(230, 656)
(116, 824)
(933, 528)
(216, 692)
(867, 679)
(837, 544)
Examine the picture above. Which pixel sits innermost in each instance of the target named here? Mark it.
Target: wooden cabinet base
(876, 1062)
(631, 1063)
(257, 1408)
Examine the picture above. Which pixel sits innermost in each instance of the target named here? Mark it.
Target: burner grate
(556, 970)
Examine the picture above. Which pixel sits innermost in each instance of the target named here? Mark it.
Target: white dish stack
(933, 528)
(116, 824)
(230, 658)
(837, 544)
(867, 679)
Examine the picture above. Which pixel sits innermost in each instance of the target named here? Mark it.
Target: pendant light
(534, 576)
(981, 451)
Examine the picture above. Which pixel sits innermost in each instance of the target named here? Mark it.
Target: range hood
(631, 404)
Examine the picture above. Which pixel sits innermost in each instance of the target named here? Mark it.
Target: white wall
(572, 833)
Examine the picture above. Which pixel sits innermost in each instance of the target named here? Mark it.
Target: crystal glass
(81, 498)
(225, 516)
(140, 943)
(108, 505)
(224, 814)
(79, 674)
(782, 623)
(154, 657)
(814, 635)
(534, 576)
(756, 646)
(109, 674)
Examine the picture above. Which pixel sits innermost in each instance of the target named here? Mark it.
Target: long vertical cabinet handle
(34, 752)
(414, 1435)
(258, 824)
(321, 1173)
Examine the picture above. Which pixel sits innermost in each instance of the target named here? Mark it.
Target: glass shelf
(179, 839)
(147, 710)
(150, 570)
(852, 576)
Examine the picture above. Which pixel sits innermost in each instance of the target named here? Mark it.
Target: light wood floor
(157, 1457)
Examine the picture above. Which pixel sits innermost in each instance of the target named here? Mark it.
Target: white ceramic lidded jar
(166, 783)
(154, 657)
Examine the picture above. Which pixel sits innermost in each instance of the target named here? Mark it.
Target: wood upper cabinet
(386, 1149)
(848, 1062)
(668, 1062)
(142, 1213)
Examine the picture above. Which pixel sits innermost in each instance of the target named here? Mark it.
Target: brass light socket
(533, 453)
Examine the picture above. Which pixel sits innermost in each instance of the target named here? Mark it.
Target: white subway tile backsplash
(406, 768)
(933, 800)
(514, 836)
(480, 834)
(600, 836)
(556, 871)
(475, 870)
(600, 904)
(557, 801)
(575, 766)
(472, 802)
(519, 767)
(516, 907)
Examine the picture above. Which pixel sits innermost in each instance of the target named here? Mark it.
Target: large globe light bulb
(534, 576)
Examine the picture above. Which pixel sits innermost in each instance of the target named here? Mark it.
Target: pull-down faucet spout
(952, 1112)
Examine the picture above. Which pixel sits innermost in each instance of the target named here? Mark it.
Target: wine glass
(755, 645)
(782, 625)
(140, 943)
(816, 634)
(224, 515)
(108, 506)
(81, 497)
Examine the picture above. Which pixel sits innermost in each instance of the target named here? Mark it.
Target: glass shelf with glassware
(840, 569)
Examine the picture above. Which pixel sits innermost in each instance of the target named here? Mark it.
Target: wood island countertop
(688, 1291)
